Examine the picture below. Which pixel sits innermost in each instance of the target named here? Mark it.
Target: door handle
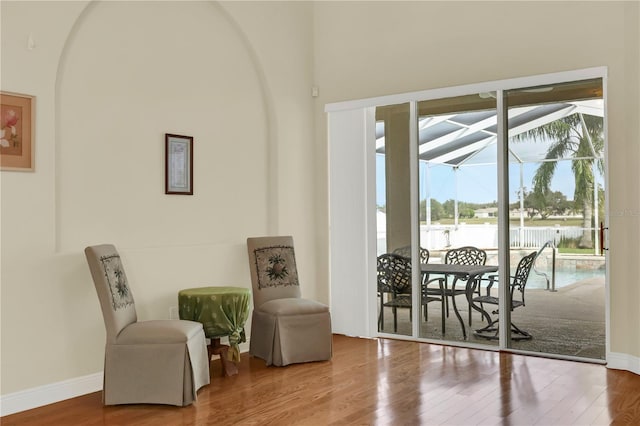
(602, 247)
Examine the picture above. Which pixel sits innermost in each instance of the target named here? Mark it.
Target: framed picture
(178, 164)
(16, 131)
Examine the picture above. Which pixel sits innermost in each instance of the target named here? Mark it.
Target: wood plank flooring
(384, 382)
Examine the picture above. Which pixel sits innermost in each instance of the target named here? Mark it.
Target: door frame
(361, 240)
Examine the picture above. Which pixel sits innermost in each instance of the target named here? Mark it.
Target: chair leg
(445, 295)
(395, 320)
(442, 313)
(491, 332)
(381, 314)
(460, 320)
(521, 334)
(471, 309)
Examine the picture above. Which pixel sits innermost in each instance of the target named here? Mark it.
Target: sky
(477, 184)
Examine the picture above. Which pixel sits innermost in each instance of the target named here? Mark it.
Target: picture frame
(17, 129)
(178, 164)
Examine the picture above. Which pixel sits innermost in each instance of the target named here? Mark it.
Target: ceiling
(469, 136)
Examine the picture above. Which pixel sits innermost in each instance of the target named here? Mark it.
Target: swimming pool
(563, 277)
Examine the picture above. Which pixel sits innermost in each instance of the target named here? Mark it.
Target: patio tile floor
(570, 321)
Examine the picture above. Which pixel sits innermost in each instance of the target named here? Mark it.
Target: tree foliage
(579, 137)
(554, 203)
(446, 210)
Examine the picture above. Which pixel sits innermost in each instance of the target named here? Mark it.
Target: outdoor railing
(549, 244)
(443, 237)
(537, 236)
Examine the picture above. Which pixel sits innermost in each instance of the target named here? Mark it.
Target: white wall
(369, 49)
(111, 78)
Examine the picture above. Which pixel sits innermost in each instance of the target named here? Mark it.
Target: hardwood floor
(385, 382)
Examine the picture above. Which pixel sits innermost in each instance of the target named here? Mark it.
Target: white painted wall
(110, 79)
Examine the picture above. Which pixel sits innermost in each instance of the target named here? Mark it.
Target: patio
(570, 321)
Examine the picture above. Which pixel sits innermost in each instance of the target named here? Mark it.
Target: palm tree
(579, 137)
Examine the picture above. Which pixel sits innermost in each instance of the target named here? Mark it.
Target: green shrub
(568, 243)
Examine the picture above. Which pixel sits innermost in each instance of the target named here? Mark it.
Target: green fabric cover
(221, 310)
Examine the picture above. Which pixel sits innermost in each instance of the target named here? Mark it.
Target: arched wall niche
(131, 72)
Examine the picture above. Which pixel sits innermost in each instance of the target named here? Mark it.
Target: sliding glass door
(457, 209)
(488, 207)
(393, 219)
(556, 205)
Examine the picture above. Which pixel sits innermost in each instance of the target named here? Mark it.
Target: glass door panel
(458, 208)
(556, 203)
(393, 217)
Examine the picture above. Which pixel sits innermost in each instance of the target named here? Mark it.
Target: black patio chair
(423, 253)
(394, 278)
(467, 255)
(516, 291)
(406, 252)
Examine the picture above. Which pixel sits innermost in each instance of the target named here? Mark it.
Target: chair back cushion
(116, 300)
(273, 269)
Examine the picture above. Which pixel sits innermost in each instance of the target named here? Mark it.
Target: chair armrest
(441, 282)
(492, 279)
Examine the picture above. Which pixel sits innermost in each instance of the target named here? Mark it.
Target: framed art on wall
(178, 164)
(16, 131)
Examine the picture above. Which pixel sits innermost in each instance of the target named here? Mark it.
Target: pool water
(563, 278)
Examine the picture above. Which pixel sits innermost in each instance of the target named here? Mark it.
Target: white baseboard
(56, 392)
(48, 394)
(620, 361)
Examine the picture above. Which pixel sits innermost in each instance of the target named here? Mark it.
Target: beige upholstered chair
(285, 328)
(153, 362)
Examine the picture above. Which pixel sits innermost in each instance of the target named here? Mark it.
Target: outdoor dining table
(222, 312)
(463, 272)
